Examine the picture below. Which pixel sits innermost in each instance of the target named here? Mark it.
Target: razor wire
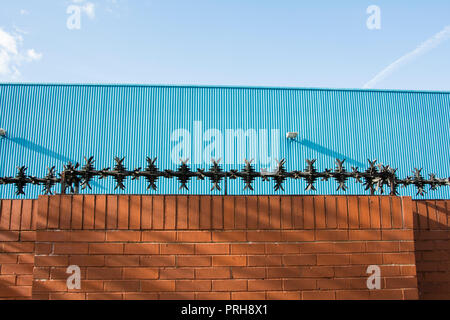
(375, 178)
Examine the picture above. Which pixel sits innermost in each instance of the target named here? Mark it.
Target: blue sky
(324, 43)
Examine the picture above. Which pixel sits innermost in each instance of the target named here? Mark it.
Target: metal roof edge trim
(220, 87)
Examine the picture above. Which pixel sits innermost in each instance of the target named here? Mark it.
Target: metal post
(63, 183)
(226, 185)
(392, 186)
(77, 187)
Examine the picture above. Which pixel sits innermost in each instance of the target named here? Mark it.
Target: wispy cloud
(117, 8)
(19, 30)
(86, 7)
(12, 56)
(423, 48)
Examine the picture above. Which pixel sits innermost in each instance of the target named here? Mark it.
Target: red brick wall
(214, 247)
(17, 241)
(432, 238)
(243, 247)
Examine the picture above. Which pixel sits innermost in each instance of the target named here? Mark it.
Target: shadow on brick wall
(432, 248)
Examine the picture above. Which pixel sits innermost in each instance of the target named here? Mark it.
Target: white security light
(2, 132)
(291, 135)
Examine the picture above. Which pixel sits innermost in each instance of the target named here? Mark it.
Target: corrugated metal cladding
(52, 124)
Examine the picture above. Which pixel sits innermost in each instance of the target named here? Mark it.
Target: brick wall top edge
(65, 212)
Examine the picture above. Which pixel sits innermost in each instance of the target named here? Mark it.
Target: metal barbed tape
(375, 178)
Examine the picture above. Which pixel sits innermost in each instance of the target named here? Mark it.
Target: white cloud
(89, 9)
(24, 12)
(8, 42)
(33, 55)
(11, 55)
(423, 48)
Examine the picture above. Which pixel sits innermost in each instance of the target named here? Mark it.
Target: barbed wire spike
(280, 175)
(311, 175)
(49, 181)
(215, 174)
(151, 173)
(248, 174)
(184, 174)
(21, 180)
(87, 172)
(340, 175)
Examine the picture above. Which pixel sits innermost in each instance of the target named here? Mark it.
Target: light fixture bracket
(291, 135)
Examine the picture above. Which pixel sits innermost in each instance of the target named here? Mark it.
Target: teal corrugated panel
(50, 125)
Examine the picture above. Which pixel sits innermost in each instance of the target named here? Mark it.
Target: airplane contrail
(423, 48)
